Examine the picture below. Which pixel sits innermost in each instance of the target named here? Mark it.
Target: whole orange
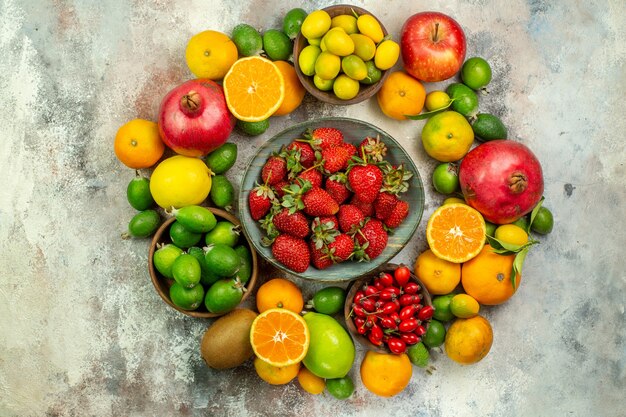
(138, 144)
(386, 374)
(401, 95)
(487, 277)
(438, 275)
(469, 340)
(294, 91)
(279, 293)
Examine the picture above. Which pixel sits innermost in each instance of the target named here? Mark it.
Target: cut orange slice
(456, 232)
(254, 88)
(279, 337)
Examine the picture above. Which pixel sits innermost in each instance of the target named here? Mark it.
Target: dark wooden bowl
(354, 287)
(162, 284)
(365, 91)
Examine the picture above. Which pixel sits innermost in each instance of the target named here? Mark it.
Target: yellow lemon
(180, 181)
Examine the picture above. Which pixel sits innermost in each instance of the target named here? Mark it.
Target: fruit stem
(436, 35)
(190, 102)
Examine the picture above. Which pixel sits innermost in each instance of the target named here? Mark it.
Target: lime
(186, 270)
(222, 192)
(447, 136)
(445, 178)
(329, 300)
(292, 22)
(387, 54)
(196, 219)
(436, 100)
(164, 258)
(488, 127)
(364, 47)
(511, 233)
(138, 193)
(277, 45)
(476, 73)
(491, 228)
(307, 58)
(223, 296)
(464, 306)
(340, 388)
(465, 99)
(248, 40)
(339, 42)
(354, 67)
(253, 128)
(316, 24)
(182, 237)
(321, 84)
(441, 303)
(186, 298)
(435, 334)
(345, 87)
(144, 223)
(327, 65)
(221, 260)
(206, 277)
(521, 222)
(373, 74)
(345, 21)
(543, 221)
(223, 158)
(224, 233)
(418, 355)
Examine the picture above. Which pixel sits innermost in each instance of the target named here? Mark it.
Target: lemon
(464, 306)
(180, 181)
(346, 22)
(369, 26)
(447, 136)
(316, 24)
(387, 54)
(511, 233)
(436, 100)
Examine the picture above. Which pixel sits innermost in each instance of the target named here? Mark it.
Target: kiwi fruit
(226, 343)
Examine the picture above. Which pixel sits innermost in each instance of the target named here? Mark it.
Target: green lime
(164, 258)
(476, 73)
(354, 67)
(224, 233)
(186, 270)
(340, 388)
(543, 221)
(182, 237)
(307, 58)
(206, 277)
(223, 158)
(144, 223)
(223, 296)
(329, 300)
(186, 298)
(435, 334)
(277, 45)
(196, 219)
(465, 99)
(446, 178)
(441, 303)
(221, 260)
(222, 192)
(138, 193)
(245, 263)
(491, 228)
(292, 22)
(322, 84)
(253, 128)
(345, 87)
(521, 222)
(488, 127)
(418, 355)
(248, 40)
(373, 74)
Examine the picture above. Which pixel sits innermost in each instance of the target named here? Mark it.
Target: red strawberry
(319, 257)
(260, 201)
(365, 181)
(292, 252)
(350, 218)
(384, 205)
(341, 248)
(295, 224)
(324, 220)
(274, 170)
(336, 187)
(397, 216)
(324, 137)
(313, 176)
(352, 150)
(307, 154)
(334, 159)
(317, 202)
(366, 208)
(374, 149)
(371, 239)
(278, 188)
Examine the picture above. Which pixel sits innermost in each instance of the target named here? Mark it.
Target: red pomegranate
(194, 119)
(502, 179)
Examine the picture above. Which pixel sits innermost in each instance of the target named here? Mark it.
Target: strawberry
(295, 224)
(334, 223)
(307, 154)
(365, 181)
(292, 252)
(397, 216)
(319, 257)
(366, 208)
(260, 201)
(278, 188)
(334, 159)
(396, 178)
(341, 248)
(336, 187)
(350, 218)
(384, 204)
(323, 137)
(371, 240)
(352, 150)
(313, 176)
(373, 149)
(274, 170)
(317, 202)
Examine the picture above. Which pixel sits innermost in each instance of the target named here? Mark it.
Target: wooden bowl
(365, 91)
(162, 284)
(354, 131)
(369, 278)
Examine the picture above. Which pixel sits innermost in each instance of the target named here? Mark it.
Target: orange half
(279, 337)
(456, 232)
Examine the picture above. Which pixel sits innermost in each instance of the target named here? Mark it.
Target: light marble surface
(82, 331)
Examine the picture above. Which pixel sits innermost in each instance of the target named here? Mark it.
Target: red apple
(433, 46)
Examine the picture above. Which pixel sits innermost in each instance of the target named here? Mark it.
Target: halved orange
(279, 337)
(456, 232)
(254, 88)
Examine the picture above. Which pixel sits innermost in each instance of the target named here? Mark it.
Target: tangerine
(456, 232)
(469, 340)
(294, 91)
(210, 54)
(280, 337)
(279, 293)
(275, 375)
(438, 275)
(401, 94)
(138, 144)
(386, 374)
(487, 277)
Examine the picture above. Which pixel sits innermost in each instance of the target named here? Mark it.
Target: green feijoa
(206, 277)
(224, 233)
(293, 21)
(222, 191)
(476, 73)
(329, 300)
(245, 263)
(248, 40)
(446, 178)
(418, 355)
(186, 298)
(435, 334)
(465, 99)
(253, 128)
(182, 237)
(340, 388)
(144, 223)
(164, 258)
(543, 221)
(373, 74)
(138, 193)
(223, 158)
(277, 45)
(488, 127)
(186, 270)
(223, 296)
(196, 219)
(221, 260)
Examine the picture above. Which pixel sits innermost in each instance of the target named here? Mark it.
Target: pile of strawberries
(324, 201)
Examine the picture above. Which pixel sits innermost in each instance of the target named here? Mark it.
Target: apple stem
(436, 36)
(190, 102)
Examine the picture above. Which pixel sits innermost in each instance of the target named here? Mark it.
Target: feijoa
(253, 128)
(222, 192)
(196, 219)
(292, 22)
(138, 193)
(340, 388)
(182, 237)
(221, 260)
(206, 277)
(465, 99)
(245, 263)
(186, 298)
(164, 258)
(223, 296)
(144, 223)
(418, 355)
(223, 158)
(224, 233)
(488, 127)
(476, 73)
(247, 39)
(186, 270)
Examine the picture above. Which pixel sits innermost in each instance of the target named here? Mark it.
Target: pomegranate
(194, 119)
(501, 179)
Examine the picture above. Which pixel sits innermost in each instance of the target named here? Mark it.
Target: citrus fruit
(543, 221)
(401, 94)
(183, 237)
(138, 144)
(453, 200)
(276, 375)
(186, 271)
(310, 382)
(294, 91)
(490, 228)
(248, 40)
(210, 54)
(385, 374)
(487, 277)
(340, 388)
(280, 337)
(418, 354)
(164, 258)
(441, 303)
(465, 99)
(521, 222)
(316, 24)
(338, 42)
(253, 128)
(435, 334)
(322, 84)
(144, 223)
(464, 306)
(327, 65)
(364, 47)
(488, 127)
(180, 181)
(354, 67)
(456, 232)
(476, 73)
(438, 275)
(511, 233)
(369, 26)
(436, 100)
(254, 89)
(279, 293)
(307, 58)
(387, 54)
(469, 340)
(329, 300)
(138, 193)
(346, 22)
(223, 158)
(373, 74)
(186, 298)
(446, 178)
(292, 22)
(447, 136)
(223, 296)
(345, 87)
(277, 45)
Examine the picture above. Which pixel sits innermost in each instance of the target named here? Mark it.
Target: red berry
(307, 154)
(378, 284)
(371, 290)
(409, 338)
(408, 325)
(402, 274)
(420, 330)
(386, 279)
(368, 304)
(358, 310)
(407, 312)
(390, 293)
(411, 288)
(408, 299)
(376, 332)
(358, 296)
(388, 323)
(274, 170)
(425, 313)
(384, 205)
(371, 320)
(396, 317)
(365, 181)
(396, 345)
(390, 307)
